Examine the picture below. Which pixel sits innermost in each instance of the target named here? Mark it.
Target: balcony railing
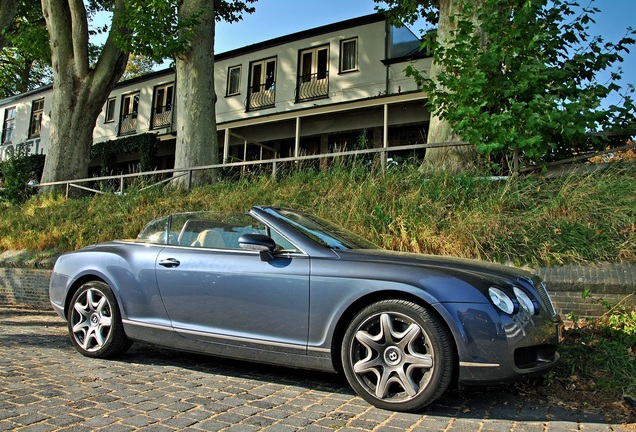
(261, 96)
(312, 86)
(161, 117)
(128, 124)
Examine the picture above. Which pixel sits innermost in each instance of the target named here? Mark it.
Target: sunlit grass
(524, 221)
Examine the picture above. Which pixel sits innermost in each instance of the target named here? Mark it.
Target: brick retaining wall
(612, 282)
(29, 286)
(567, 302)
(25, 286)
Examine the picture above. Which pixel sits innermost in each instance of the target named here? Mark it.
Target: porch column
(385, 136)
(297, 141)
(244, 167)
(226, 146)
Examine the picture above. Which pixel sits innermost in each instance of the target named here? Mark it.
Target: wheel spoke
(382, 386)
(405, 379)
(420, 361)
(369, 341)
(407, 338)
(81, 326)
(104, 322)
(102, 306)
(90, 300)
(87, 341)
(386, 328)
(99, 338)
(369, 365)
(81, 309)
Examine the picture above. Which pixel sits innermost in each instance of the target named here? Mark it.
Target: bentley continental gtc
(287, 288)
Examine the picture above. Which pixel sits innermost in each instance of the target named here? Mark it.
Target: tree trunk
(79, 92)
(452, 159)
(196, 118)
(8, 11)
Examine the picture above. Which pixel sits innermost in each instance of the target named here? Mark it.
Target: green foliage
(143, 144)
(16, 172)
(523, 74)
(26, 57)
(157, 31)
(138, 65)
(402, 12)
(601, 353)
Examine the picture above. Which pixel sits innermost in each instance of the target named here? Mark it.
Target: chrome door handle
(170, 263)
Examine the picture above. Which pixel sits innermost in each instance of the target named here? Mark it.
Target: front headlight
(525, 301)
(502, 300)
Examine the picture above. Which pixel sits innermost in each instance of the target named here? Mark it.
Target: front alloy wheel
(94, 323)
(397, 356)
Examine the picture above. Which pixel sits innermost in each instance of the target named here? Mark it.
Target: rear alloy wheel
(94, 322)
(397, 356)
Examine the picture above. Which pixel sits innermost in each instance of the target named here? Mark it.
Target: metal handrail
(274, 162)
(181, 172)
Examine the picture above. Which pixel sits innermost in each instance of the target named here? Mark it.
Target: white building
(310, 92)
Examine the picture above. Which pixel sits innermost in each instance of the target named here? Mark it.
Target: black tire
(94, 322)
(397, 355)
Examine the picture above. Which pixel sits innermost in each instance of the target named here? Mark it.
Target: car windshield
(322, 231)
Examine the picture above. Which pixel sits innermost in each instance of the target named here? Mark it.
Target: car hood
(441, 263)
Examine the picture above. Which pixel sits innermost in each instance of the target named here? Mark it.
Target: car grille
(546, 300)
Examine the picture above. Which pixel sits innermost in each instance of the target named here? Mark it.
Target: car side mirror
(258, 242)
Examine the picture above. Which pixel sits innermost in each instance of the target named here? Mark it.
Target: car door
(231, 297)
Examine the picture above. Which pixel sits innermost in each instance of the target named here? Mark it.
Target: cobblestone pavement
(45, 385)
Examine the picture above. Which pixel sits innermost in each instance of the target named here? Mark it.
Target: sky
(274, 18)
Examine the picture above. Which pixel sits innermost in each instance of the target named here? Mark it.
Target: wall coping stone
(25, 259)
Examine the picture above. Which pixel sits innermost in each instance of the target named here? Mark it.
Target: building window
(233, 81)
(313, 73)
(129, 110)
(162, 106)
(9, 123)
(262, 84)
(110, 111)
(349, 55)
(37, 110)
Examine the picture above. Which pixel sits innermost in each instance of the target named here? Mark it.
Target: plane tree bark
(195, 120)
(79, 90)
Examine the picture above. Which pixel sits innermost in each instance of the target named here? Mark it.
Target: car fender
(119, 265)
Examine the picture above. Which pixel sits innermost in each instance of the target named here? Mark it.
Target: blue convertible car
(285, 287)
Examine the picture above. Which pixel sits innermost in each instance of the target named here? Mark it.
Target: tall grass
(524, 221)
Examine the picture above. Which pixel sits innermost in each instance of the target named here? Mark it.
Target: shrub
(20, 169)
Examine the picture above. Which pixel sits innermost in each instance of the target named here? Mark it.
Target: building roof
(316, 31)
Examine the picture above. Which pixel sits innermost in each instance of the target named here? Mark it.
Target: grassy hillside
(525, 221)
